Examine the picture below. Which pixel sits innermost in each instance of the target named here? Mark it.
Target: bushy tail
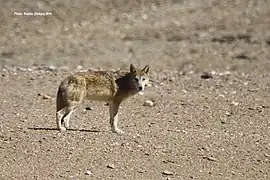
(61, 98)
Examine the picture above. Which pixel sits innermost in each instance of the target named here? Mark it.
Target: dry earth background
(199, 128)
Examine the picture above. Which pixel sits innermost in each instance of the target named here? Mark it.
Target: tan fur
(111, 87)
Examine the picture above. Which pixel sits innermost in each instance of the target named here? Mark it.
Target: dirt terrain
(209, 63)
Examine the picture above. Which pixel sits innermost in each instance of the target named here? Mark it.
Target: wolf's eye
(143, 79)
(136, 79)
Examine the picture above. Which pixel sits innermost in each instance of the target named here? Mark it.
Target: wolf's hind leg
(67, 117)
(63, 116)
(60, 115)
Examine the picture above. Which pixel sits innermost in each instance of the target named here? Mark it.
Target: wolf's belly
(100, 95)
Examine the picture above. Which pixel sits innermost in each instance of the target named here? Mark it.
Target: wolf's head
(140, 76)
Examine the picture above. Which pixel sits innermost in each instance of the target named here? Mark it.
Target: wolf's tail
(61, 98)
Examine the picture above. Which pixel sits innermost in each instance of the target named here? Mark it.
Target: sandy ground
(200, 127)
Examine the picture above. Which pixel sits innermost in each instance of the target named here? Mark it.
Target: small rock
(184, 91)
(221, 95)
(140, 171)
(224, 73)
(243, 56)
(190, 72)
(50, 68)
(21, 69)
(209, 158)
(88, 173)
(84, 111)
(150, 124)
(88, 109)
(212, 159)
(167, 172)
(148, 103)
(206, 75)
(44, 96)
(223, 122)
(111, 166)
(235, 103)
(172, 79)
(79, 67)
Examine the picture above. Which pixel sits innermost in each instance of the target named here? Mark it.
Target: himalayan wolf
(106, 86)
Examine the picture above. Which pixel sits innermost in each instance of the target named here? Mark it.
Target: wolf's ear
(132, 68)
(146, 69)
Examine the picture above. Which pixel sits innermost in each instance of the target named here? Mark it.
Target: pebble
(206, 75)
(44, 96)
(111, 166)
(50, 68)
(79, 67)
(88, 173)
(88, 108)
(235, 103)
(210, 158)
(167, 172)
(148, 103)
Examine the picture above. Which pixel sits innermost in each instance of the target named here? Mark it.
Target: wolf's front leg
(114, 106)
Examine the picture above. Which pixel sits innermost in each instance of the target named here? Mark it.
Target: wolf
(112, 87)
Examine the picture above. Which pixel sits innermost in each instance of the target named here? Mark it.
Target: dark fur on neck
(127, 83)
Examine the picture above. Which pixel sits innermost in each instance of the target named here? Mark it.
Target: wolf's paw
(62, 129)
(66, 125)
(117, 131)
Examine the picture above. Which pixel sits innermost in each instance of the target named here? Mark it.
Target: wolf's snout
(140, 88)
